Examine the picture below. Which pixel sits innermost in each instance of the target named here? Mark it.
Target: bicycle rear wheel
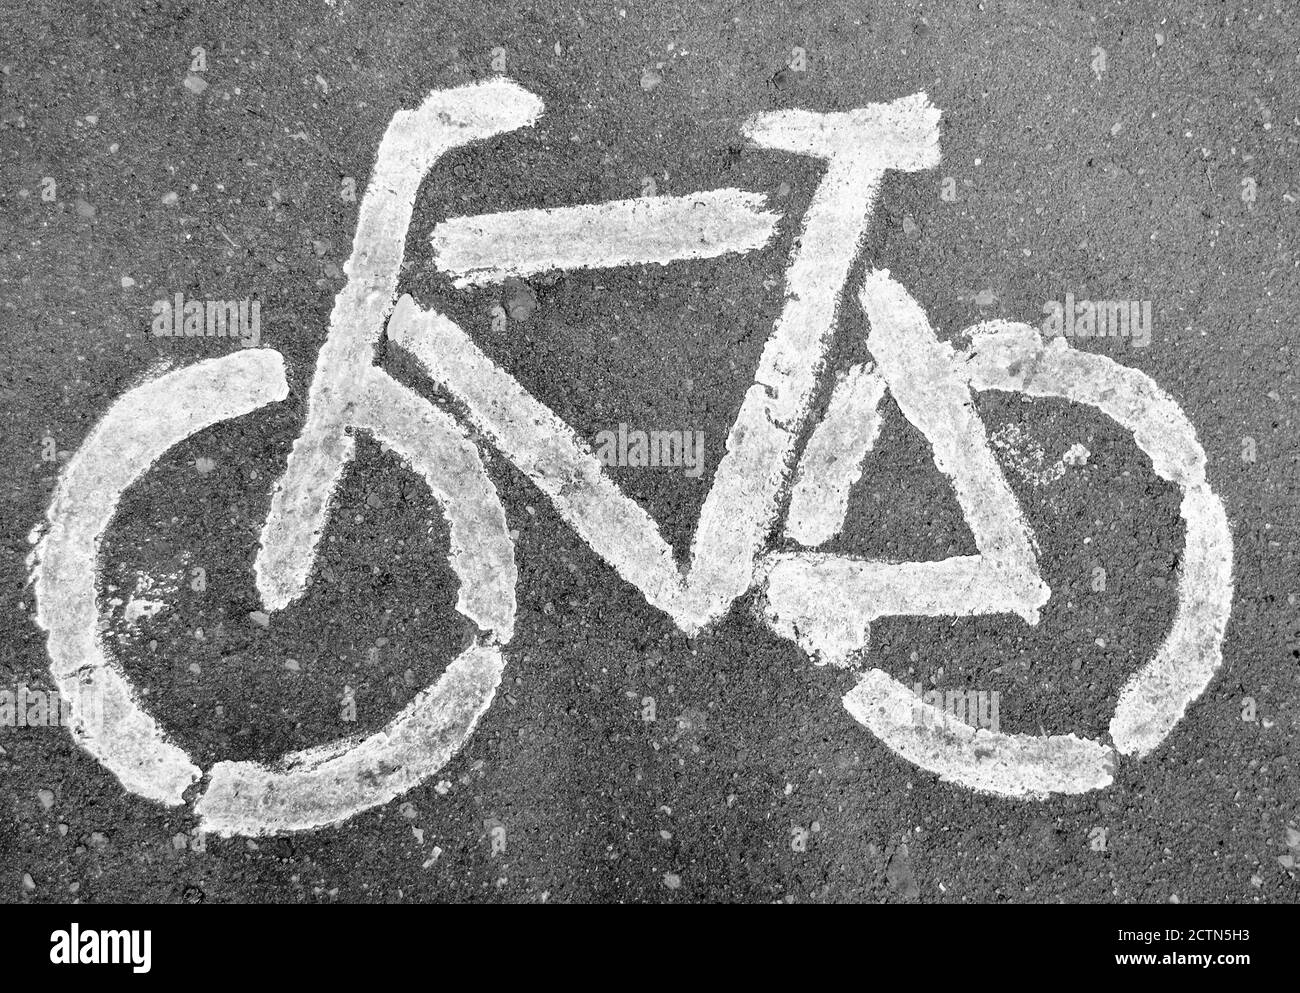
(1009, 357)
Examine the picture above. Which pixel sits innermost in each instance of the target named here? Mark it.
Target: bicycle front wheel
(316, 786)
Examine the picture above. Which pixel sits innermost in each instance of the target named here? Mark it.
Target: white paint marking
(1004, 356)
(832, 462)
(738, 513)
(1025, 456)
(861, 145)
(333, 782)
(489, 248)
(933, 395)
(412, 143)
(1076, 455)
(321, 785)
(1012, 765)
(826, 603)
(137, 429)
(902, 134)
(138, 606)
(330, 783)
(542, 446)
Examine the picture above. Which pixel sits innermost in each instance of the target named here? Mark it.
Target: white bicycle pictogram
(823, 602)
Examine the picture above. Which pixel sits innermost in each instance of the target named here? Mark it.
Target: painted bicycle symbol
(823, 602)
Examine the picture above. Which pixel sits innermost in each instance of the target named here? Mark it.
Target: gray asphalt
(1122, 181)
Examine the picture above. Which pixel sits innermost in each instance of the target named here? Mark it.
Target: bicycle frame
(736, 520)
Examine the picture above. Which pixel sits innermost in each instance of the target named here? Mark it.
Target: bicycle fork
(347, 387)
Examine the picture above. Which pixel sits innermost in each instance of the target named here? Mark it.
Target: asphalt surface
(1122, 180)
